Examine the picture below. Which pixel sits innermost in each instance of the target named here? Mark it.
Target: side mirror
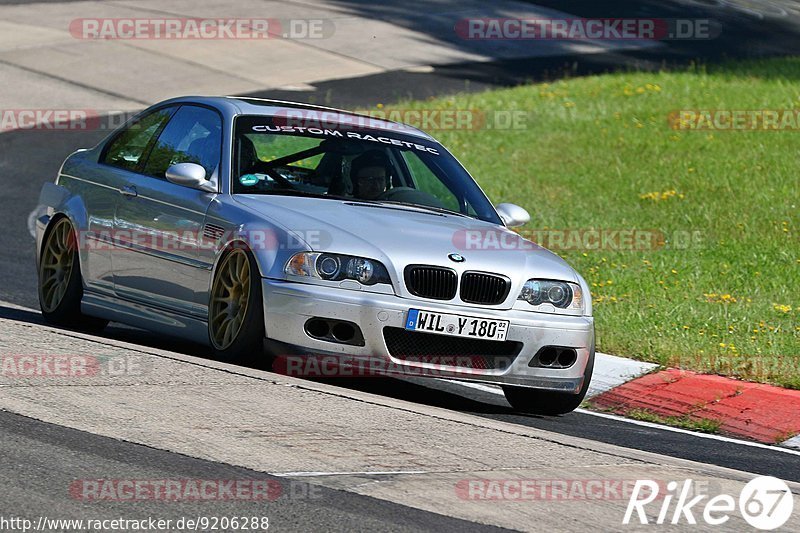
(190, 175)
(512, 215)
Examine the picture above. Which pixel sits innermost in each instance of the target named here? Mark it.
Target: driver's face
(371, 182)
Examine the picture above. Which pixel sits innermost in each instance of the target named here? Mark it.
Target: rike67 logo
(765, 503)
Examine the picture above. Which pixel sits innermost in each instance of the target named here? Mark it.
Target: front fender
(271, 245)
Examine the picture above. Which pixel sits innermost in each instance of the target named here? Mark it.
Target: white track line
(315, 474)
(776, 448)
(710, 436)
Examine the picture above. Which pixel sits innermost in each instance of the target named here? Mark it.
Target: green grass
(597, 152)
(703, 425)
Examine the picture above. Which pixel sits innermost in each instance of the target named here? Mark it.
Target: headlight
(556, 293)
(335, 267)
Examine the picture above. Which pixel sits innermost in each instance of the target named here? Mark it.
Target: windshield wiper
(441, 210)
(297, 192)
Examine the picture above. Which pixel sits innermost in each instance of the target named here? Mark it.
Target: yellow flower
(713, 297)
(782, 308)
(658, 196)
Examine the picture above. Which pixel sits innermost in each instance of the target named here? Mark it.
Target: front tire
(549, 403)
(60, 280)
(236, 309)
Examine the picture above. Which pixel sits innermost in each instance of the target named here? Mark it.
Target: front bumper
(288, 305)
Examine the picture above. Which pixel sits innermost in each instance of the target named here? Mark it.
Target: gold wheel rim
(55, 268)
(230, 298)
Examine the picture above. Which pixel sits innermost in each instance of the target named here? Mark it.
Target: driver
(370, 173)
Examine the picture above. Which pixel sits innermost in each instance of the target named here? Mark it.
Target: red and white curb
(764, 414)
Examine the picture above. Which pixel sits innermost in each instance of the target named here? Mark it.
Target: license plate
(457, 325)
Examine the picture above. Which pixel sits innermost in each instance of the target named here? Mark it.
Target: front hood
(399, 236)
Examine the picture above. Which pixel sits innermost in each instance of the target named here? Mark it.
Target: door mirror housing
(190, 175)
(512, 215)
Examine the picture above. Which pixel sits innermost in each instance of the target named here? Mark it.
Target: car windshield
(343, 162)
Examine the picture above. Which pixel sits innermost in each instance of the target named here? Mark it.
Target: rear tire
(549, 403)
(60, 281)
(236, 309)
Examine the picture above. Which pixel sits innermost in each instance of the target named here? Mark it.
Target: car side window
(127, 148)
(193, 135)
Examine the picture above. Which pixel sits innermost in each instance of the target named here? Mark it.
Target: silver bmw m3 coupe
(241, 222)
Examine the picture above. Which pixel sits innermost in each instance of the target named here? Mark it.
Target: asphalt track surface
(30, 158)
(40, 462)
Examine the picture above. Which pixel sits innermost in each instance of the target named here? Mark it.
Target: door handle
(129, 191)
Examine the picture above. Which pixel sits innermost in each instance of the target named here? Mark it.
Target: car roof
(245, 105)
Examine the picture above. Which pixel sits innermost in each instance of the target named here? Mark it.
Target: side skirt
(141, 316)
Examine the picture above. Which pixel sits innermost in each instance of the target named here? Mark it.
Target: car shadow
(115, 331)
